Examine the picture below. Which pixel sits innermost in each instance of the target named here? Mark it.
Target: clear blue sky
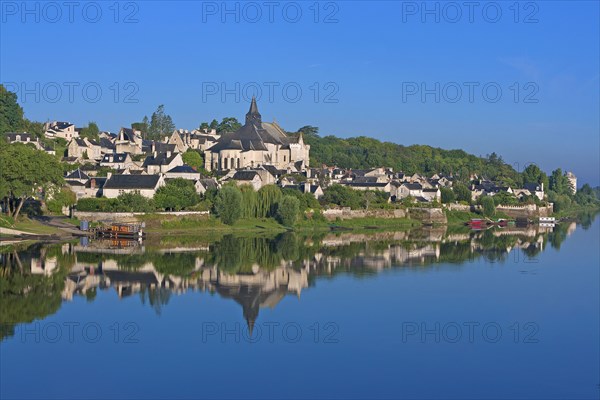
(375, 55)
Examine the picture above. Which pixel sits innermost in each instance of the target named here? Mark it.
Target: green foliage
(559, 182)
(307, 200)
(127, 202)
(268, 197)
(25, 172)
(533, 174)
(161, 124)
(342, 196)
(561, 201)
(586, 196)
(288, 210)
(11, 113)
(448, 195)
(228, 124)
(64, 198)
(176, 195)
(488, 206)
(505, 198)
(193, 159)
(462, 192)
(143, 126)
(91, 131)
(228, 204)
(364, 152)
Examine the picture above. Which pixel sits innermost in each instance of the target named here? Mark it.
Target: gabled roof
(105, 143)
(12, 136)
(77, 174)
(412, 186)
(132, 182)
(99, 181)
(245, 175)
(159, 159)
(208, 183)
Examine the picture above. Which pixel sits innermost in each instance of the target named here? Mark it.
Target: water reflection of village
(255, 272)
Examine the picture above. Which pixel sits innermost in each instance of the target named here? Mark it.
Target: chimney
(92, 183)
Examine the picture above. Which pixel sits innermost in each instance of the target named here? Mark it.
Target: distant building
(572, 181)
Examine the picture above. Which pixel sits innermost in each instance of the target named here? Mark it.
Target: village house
(63, 130)
(146, 185)
(162, 162)
(406, 189)
(129, 141)
(195, 140)
(84, 150)
(536, 189)
(307, 187)
(117, 161)
(257, 143)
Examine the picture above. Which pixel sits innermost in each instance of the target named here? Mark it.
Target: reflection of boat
(477, 223)
(123, 231)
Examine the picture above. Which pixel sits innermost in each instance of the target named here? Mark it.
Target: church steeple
(253, 115)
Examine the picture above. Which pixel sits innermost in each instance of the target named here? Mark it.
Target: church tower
(253, 116)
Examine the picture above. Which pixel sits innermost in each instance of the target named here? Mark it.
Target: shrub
(288, 210)
(228, 204)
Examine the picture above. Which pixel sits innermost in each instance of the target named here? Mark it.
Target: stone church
(256, 144)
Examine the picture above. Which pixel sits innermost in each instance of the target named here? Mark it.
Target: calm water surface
(422, 314)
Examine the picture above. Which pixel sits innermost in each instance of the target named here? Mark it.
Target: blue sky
(361, 68)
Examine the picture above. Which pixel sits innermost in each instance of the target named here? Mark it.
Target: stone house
(162, 162)
(84, 150)
(184, 172)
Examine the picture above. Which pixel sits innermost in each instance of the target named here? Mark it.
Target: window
(284, 159)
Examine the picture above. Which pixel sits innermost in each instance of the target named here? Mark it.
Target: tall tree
(11, 113)
(559, 182)
(142, 126)
(228, 204)
(309, 131)
(161, 124)
(533, 174)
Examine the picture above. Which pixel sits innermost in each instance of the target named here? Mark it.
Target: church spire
(253, 114)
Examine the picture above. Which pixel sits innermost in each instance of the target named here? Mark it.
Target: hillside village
(257, 154)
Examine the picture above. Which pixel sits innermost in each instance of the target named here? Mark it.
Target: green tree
(214, 124)
(64, 198)
(204, 126)
(228, 204)
(11, 113)
(559, 182)
(268, 197)
(176, 195)
(193, 158)
(342, 196)
(488, 206)
(91, 131)
(288, 210)
(228, 124)
(462, 192)
(448, 195)
(309, 131)
(26, 172)
(533, 174)
(143, 126)
(161, 124)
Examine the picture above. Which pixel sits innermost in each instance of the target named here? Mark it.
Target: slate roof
(77, 174)
(12, 136)
(100, 181)
(132, 182)
(244, 175)
(114, 157)
(253, 135)
(367, 184)
(183, 169)
(107, 144)
(209, 183)
(413, 186)
(533, 187)
(159, 159)
(71, 182)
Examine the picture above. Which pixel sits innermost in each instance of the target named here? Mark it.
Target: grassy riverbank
(27, 225)
(202, 224)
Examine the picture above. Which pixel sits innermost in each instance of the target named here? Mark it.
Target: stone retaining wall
(347, 213)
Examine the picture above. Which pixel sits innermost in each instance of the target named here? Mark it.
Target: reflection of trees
(25, 296)
(157, 297)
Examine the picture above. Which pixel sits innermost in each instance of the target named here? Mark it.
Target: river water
(435, 313)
